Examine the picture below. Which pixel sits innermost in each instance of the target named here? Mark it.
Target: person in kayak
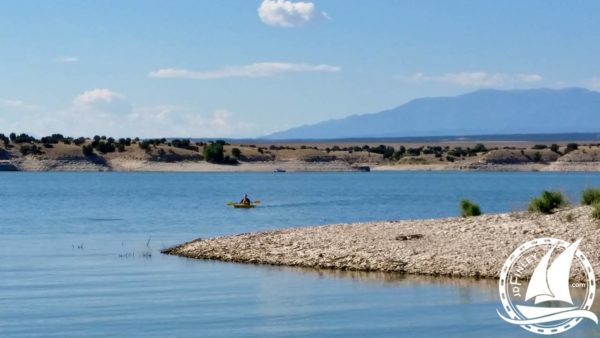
(245, 200)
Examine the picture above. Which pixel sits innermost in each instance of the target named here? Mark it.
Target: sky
(246, 68)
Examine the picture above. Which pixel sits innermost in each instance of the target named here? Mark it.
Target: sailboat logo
(543, 303)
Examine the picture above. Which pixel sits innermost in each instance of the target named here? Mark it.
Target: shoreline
(32, 164)
(474, 247)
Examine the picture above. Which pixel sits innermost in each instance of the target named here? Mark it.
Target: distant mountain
(533, 111)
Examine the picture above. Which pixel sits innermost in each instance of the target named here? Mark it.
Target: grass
(548, 202)
(569, 218)
(590, 196)
(596, 211)
(469, 209)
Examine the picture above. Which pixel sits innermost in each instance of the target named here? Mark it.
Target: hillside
(58, 153)
(483, 112)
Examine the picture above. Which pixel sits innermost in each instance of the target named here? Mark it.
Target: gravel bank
(459, 247)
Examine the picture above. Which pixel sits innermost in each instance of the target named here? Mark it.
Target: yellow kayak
(244, 206)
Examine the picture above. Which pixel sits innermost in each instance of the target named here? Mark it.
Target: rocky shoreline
(30, 163)
(458, 247)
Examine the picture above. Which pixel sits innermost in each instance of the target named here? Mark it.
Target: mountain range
(483, 112)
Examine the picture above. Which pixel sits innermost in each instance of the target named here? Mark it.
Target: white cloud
(106, 112)
(595, 84)
(478, 79)
(181, 121)
(101, 103)
(284, 13)
(262, 69)
(97, 95)
(67, 59)
(530, 77)
(223, 123)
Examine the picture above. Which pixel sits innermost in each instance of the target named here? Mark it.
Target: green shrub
(590, 196)
(547, 202)
(30, 149)
(468, 208)
(571, 147)
(236, 152)
(87, 150)
(596, 211)
(213, 153)
(569, 218)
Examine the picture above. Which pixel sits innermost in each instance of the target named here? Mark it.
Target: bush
(4, 139)
(79, 141)
(571, 147)
(52, 139)
(87, 150)
(236, 152)
(590, 196)
(596, 211)
(30, 149)
(213, 153)
(547, 202)
(23, 138)
(105, 147)
(468, 208)
(145, 145)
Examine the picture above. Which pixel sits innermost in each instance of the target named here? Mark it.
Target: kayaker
(245, 200)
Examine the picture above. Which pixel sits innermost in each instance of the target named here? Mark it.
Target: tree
(571, 147)
(236, 152)
(79, 141)
(87, 150)
(13, 137)
(479, 148)
(213, 153)
(4, 139)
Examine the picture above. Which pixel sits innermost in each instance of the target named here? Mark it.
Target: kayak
(243, 206)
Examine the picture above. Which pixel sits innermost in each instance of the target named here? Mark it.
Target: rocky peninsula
(458, 247)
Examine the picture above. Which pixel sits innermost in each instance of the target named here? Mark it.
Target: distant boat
(279, 170)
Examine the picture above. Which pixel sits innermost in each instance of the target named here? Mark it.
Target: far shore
(458, 247)
(59, 153)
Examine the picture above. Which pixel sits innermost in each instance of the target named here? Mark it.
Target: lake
(79, 255)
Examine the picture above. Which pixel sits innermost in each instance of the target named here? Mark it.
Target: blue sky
(243, 68)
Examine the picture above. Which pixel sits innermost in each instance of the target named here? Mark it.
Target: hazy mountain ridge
(488, 111)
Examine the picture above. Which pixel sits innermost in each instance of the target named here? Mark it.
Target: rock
(408, 237)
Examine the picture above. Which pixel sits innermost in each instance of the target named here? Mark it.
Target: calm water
(79, 255)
